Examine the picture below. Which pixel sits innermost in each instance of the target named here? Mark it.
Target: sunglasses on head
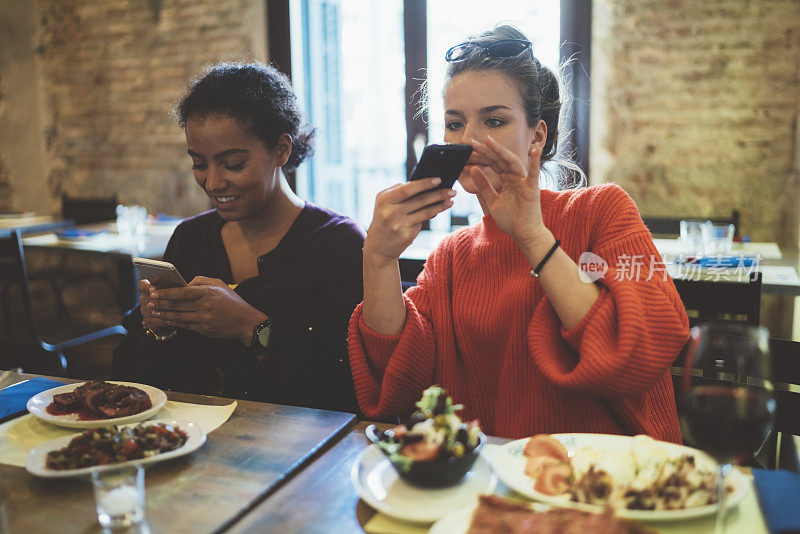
(497, 49)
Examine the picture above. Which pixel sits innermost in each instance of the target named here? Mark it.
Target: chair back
(13, 274)
(721, 300)
(89, 210)
(786, 375)
(671, 226)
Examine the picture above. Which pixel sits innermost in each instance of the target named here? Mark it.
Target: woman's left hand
(515, 205)
(209, 307)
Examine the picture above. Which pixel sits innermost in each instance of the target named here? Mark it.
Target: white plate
(37, 405)
(35, 463)
(453, 523)
(509, 464)
(379, 485)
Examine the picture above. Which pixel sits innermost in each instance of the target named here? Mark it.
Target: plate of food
(89, 404)
(108, 447)
(424, 468)
(498, 514)
(639, 477)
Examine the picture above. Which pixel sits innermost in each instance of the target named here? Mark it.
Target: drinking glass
(726, 397)
(691, 238)
(119, 496)
(717, 238)
(131, 221)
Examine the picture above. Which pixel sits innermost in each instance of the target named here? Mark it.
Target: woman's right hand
(399, 213)
(156, 324)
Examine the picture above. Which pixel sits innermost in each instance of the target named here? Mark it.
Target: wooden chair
(671, 226)
(731, 301)
(20, 343)
(786, 380)
(409, 270)
(87, 210)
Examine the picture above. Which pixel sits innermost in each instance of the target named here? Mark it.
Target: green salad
(432, 433)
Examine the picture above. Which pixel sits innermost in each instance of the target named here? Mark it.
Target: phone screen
(443, 161)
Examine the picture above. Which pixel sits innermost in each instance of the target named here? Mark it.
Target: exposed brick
(695, 106)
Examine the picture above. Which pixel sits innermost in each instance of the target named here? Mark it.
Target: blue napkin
(720, 261)
(14, 398)
(779, 495)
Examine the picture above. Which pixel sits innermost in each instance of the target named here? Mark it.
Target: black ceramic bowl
(436, 473)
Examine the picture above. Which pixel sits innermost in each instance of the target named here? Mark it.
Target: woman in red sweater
(523, 353)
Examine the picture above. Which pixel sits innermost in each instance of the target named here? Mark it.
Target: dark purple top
(308, 285)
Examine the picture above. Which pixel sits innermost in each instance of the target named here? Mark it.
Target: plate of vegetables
(109, 447)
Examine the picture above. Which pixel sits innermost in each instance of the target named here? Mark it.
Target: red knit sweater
(480, 325)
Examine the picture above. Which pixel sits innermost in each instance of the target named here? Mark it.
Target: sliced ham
(546, 445)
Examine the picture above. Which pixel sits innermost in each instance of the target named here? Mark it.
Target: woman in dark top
(273, 279)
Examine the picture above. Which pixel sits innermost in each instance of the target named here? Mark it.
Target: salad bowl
(437, 473)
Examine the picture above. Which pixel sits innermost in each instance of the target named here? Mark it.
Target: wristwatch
(261, 335)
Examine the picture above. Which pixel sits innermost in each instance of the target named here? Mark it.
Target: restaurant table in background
(108, 243)
(29, 224)
(779, 274)
(242, 463)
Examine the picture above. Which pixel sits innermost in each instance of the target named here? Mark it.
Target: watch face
(263, 335)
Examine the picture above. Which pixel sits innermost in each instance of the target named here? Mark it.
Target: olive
(413, 419)
(441, 404)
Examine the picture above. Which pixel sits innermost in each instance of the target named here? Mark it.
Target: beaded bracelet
(536, 270)
(155, 335)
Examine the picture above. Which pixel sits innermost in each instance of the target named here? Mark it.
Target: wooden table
(243, 462)
(321, 498)
(268, 469)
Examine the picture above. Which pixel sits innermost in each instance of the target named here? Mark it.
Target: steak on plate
(66, 400)
(105, 400)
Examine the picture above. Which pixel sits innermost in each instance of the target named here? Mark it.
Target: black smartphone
(444, 161)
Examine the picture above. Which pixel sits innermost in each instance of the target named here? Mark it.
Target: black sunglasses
(497, 49)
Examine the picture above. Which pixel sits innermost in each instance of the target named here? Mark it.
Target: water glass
(119, 496)
(691, 238)
(131, 221)
(717, 238)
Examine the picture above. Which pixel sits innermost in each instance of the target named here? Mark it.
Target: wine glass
(727, 404)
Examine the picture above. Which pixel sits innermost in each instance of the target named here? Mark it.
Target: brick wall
(695, 108)
(111, 71)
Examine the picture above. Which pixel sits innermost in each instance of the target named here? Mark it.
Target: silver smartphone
(161, 274)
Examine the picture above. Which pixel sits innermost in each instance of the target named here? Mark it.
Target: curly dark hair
(258, 96)
(538, 86)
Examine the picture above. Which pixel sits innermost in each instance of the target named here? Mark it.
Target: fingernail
(451, 193)
(436, 181)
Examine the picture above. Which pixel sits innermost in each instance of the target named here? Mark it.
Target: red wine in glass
(727, 406)
(727, 422)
